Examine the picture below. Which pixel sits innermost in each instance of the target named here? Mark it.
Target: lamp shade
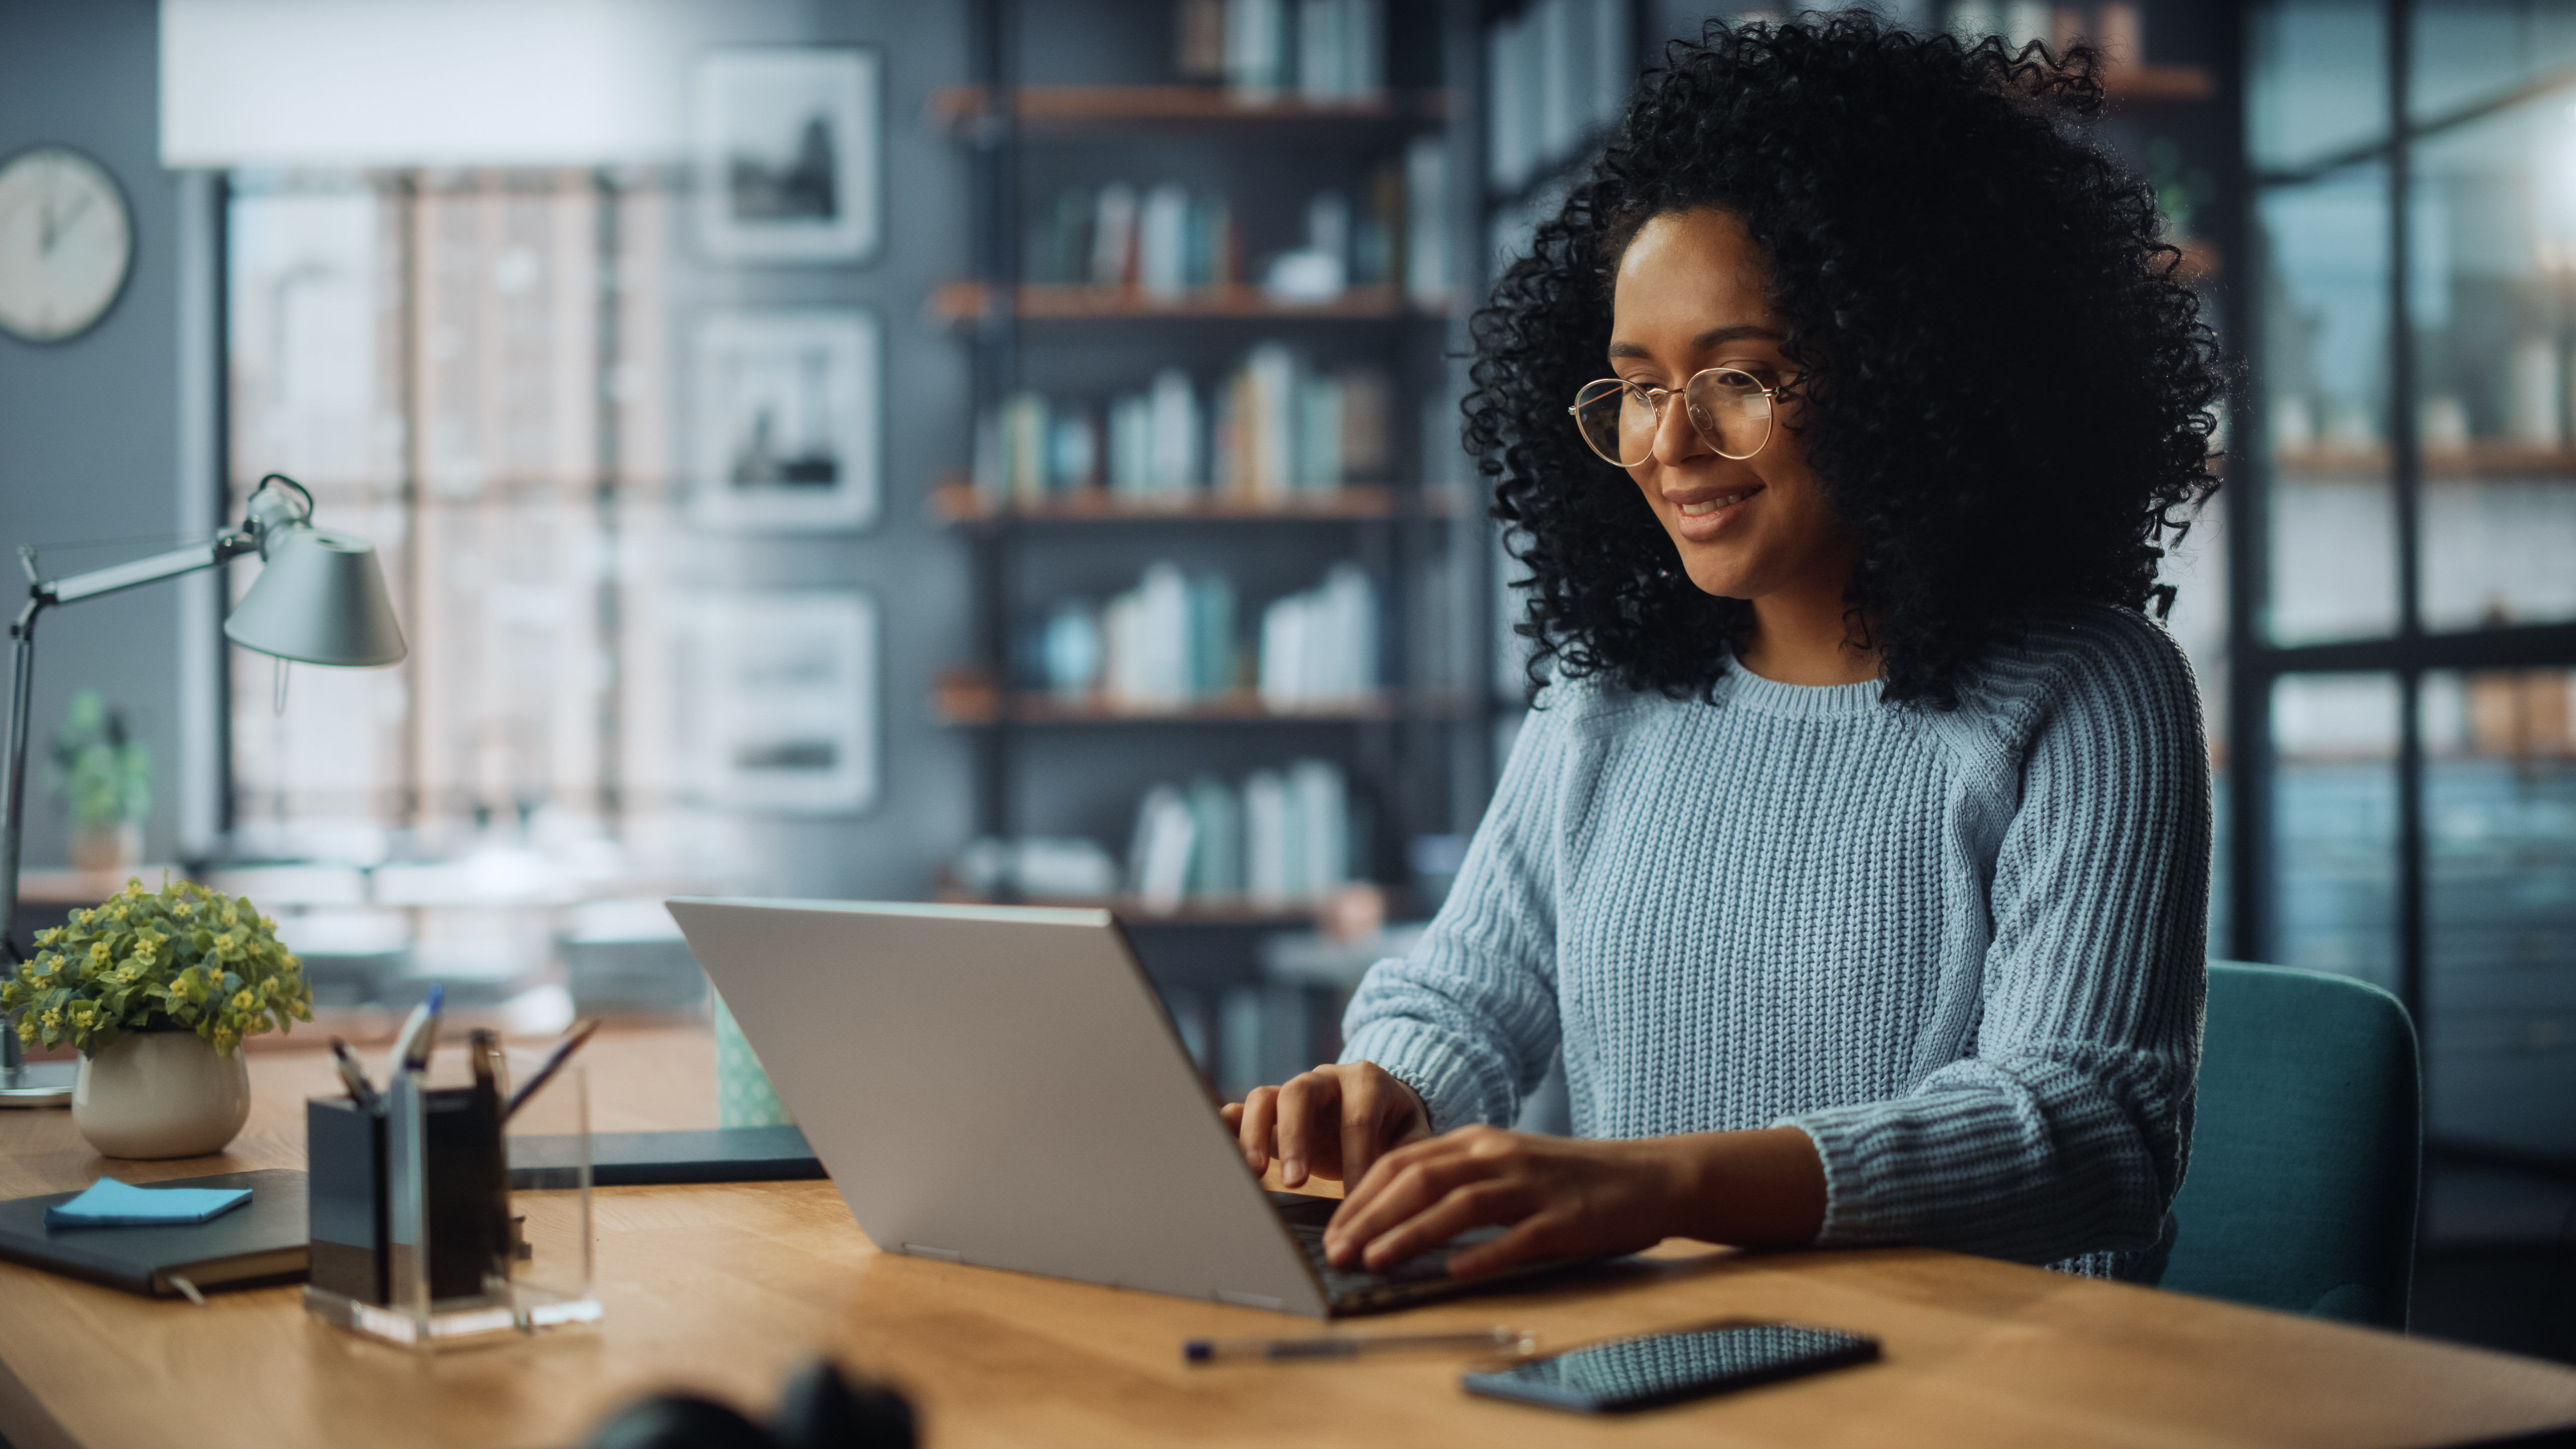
(319, 600)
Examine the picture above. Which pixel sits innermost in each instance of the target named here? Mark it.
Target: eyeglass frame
(1656, 397)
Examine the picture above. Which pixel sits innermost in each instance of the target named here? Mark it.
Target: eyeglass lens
(1729, 408)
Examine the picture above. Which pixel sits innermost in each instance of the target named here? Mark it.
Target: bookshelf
(1219, 555)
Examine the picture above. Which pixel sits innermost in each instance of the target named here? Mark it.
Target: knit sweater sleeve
(2063, 1132)
(1468, 1019)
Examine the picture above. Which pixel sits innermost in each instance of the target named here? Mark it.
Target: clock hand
(64, 222)
(57, 225)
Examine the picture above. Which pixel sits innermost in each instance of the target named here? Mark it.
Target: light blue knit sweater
(1963, 951)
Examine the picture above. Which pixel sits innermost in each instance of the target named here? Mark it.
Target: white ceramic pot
(160, 1094)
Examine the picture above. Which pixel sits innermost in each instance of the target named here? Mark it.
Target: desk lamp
(319, 599)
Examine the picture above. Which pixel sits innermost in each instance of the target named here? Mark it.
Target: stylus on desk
(1345, 1345)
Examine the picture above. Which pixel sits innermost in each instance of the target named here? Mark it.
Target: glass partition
(2500, 908)
(2334, 805)
(2325, 364)
(2494, 235)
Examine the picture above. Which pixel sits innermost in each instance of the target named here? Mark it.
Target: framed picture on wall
(789, 151)
(786, 420)
(778, 701)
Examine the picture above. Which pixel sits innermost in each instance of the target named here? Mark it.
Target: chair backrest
(2306, 1150)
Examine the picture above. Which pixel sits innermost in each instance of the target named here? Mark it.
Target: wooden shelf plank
(1044, 302)
(1106, 110)
(2443, 466)
(966, 698)
(2158, 83)
(954, 500)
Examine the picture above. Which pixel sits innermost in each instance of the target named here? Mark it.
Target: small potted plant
(158, 991)
(106, 777)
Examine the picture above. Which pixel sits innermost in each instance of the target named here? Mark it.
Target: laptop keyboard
(1305, 1218)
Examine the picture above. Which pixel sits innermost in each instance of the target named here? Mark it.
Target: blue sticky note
(113, 1204)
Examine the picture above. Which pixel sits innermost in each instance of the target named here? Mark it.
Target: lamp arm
(41, 594)
(223, 548)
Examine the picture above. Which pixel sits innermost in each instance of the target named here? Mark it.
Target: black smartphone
(1666, 1368)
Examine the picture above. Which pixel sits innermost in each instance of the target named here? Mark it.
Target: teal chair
(2307, 1149)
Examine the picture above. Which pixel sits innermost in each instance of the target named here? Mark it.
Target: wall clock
(66, 243)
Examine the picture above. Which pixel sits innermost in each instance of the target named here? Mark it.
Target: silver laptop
(1000, 1086)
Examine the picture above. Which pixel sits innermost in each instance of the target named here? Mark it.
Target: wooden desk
(727, 1289)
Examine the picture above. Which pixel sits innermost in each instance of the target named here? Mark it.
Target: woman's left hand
(1569, 1197)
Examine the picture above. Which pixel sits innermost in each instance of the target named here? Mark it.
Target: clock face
(65, 242)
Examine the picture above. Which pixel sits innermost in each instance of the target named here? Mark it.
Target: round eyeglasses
(1730, 408)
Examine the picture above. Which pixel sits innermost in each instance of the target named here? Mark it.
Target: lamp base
(39, 1084)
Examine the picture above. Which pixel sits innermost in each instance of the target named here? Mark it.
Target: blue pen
(419, 1034)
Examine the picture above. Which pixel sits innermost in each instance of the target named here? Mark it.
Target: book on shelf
(1282, 839)
(1317, 50)
(1321, 645)
(1170, 246)
(1557, 73)
(1425, 253)
(1277, 427)
(1171, 643)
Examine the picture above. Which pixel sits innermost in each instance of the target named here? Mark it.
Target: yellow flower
(244, 999)
(231, 917)
(226, 1039)
(26, 1030)
(183, 909)
(133, 888)
(53, 1019)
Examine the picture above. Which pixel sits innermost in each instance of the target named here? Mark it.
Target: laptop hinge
(944, 1255)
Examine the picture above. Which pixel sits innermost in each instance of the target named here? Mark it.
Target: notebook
(638, 1159)
(254, 1245)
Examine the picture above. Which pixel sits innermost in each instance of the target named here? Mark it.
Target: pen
(537, 1079)
(1339, 1345)
(354, 1077)
(480, 1047)
(419, 1031)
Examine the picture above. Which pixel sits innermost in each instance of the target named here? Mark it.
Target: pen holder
(439, 1220)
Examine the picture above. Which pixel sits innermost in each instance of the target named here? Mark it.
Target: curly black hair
(2009, 386)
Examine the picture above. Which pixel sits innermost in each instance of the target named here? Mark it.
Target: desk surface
(727, 1289)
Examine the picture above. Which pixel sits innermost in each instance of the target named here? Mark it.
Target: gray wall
(917, 571)
(89, 428)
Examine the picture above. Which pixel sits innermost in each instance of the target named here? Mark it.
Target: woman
(1855, 862)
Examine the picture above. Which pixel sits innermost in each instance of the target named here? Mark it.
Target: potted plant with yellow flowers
(158, 990)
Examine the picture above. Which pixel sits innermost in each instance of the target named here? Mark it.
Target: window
(468, 369)
(2402, 764)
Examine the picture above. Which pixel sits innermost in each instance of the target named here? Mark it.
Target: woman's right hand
(1331, 1122)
